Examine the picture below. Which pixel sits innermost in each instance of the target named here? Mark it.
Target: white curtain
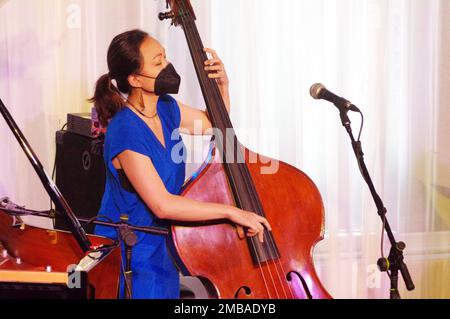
(391, 59)
(388, 57)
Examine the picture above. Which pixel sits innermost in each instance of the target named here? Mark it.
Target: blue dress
(155, 275)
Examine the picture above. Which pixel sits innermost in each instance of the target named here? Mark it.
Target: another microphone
(319, 92)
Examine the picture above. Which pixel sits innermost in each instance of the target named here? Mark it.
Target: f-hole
(305, 286)
(245, 289)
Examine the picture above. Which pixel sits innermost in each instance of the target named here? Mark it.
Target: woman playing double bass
(143, 177)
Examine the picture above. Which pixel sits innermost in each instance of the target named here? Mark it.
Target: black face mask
(167, 82)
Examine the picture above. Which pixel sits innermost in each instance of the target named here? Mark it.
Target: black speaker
(80, 174)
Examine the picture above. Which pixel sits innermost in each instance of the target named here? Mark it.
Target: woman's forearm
(187, 210)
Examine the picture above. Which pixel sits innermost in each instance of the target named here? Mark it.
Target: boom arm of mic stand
(20, 211)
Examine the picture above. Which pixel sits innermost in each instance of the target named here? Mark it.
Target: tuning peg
(166, 15)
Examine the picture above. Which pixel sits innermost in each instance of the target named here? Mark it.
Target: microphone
(319, 92)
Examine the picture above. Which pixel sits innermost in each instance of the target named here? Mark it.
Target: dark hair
(124, 59)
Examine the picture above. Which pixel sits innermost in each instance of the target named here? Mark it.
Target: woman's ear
(134, 81)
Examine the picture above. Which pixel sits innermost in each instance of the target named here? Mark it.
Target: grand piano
(43, 263)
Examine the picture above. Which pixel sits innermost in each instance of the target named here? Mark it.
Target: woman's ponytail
(124, 59)
(107, 99)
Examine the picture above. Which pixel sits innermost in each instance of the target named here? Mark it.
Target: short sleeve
(125, 138)
(173, 111)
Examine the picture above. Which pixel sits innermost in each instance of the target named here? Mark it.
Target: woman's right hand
(253, 222)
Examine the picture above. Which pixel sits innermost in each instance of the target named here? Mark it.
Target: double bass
(280, 268)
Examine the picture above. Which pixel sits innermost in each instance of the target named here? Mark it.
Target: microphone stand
(129, 240)
(125, 230)
(394, 262)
